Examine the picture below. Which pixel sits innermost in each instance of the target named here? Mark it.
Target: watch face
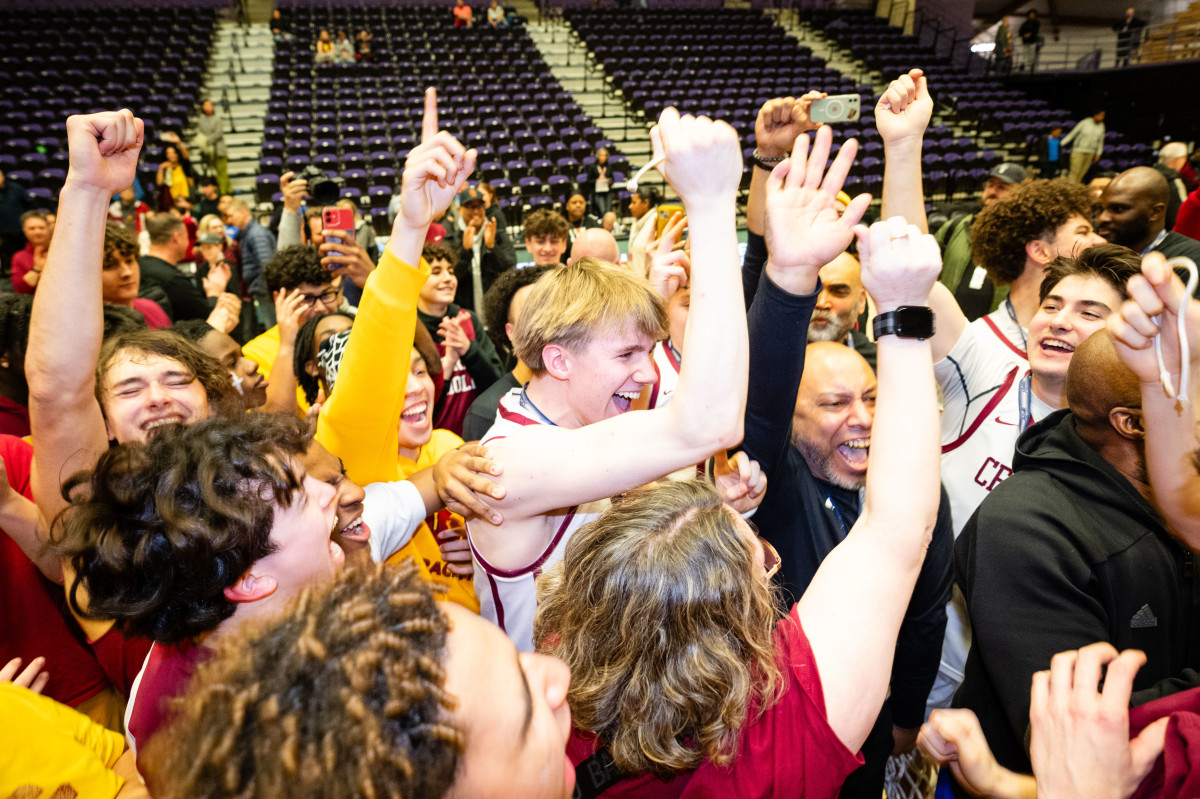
(914, 322)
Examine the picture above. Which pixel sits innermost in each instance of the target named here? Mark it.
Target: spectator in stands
(491, 204)
(472, 718)
(14, 339)
(967, 280)
(643, 207)
(463, 15)
(1133, 214)
(599, 175)
(122, 276)
(1031, 41)
(210, 138)
(28, 263)
(363, 45)
(495, 15)
(15, 200)
(230, 314)
(172, 177)
(609, 223)
(501, 309)
(1050, 153)
(231, 251)
(578, 218)
(1171, 158)
(128, 210)
(206, 201)
(343, 50)
(484, 249)
(257, 246)
(324, 50)
(180, 297)
(1016, 238)
(597, 243)
(470, 364)
(280, 28)
(1002, 50)
(1104, 568)
(1129, 36)
(546, 235)
(1088, 138)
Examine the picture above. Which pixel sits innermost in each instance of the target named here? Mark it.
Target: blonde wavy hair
(667, 626)
(576, 304)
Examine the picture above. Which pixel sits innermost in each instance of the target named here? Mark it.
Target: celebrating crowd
(722, 529)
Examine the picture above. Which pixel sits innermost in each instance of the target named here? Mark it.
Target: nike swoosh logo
(998, 420)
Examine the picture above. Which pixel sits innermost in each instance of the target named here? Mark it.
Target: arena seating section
(78, 60)
(979, 99)
(724, 63)
(496, 92)
(360, 121)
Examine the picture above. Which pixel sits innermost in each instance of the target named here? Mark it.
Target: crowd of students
(267, 565)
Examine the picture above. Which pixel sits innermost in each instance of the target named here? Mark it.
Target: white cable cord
(632, 183)
(1184, 355)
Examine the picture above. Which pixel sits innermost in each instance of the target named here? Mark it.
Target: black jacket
(1062, 554)
(795, 516)
(491, 263)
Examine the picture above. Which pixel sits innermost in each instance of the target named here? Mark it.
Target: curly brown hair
(223, 400)
(545, 222)
(1030, 211)
(666, 627)
(119, 244)
(439, 252)
(158, 530)
(344, 695)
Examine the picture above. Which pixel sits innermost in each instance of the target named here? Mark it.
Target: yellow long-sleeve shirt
(360, 421)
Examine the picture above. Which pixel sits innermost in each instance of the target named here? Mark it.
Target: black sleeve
(500, 258)
(1029, 593)
(480, 359)
(1188, 678)
(187, 301)
(919, 645)
(752, 265)
(778, 327)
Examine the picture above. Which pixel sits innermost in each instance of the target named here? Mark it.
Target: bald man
(1068, 551)
(598, 243)
(1133, 213)
(815, 480)
(840, 303)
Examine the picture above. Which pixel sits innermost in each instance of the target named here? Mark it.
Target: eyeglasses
(771, 559)
(327, 297)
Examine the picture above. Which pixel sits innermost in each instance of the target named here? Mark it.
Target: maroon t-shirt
(36, 619)
(789, 751)
(152, 312)
(14, 418)
(166, 675)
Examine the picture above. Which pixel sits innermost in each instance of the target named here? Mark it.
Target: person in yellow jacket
(379, 420)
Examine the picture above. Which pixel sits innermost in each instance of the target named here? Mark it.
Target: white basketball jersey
(507, 597)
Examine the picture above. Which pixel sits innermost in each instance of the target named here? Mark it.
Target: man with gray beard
(840, 303)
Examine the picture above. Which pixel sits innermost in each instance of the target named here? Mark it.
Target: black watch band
(907, 321)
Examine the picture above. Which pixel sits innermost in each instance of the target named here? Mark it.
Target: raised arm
(853, 608)
(1171, 441)
(551, 467)
(902, 114)
(359, 422)
(780, 121)
(803, 233)
(60, 365)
